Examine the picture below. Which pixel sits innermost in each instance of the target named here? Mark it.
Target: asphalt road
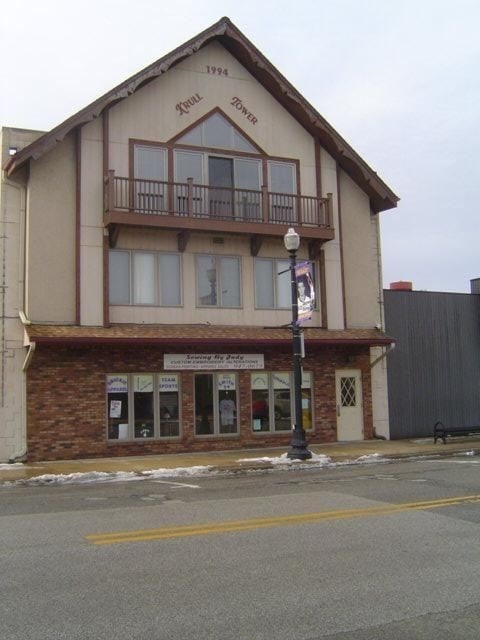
(380, 551)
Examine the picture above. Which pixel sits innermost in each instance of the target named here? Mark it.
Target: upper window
(218, 133)
(144, 278)
(272, 284)
(218, 281)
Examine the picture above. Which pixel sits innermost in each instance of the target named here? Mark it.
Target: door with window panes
(349, 404)
(216, 404)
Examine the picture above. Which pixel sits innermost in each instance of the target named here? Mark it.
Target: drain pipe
(22, 457)
(388, 350)
(31, 350)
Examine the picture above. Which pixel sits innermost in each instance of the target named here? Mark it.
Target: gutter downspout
(388, 350)
(26, 363)
(31, 350)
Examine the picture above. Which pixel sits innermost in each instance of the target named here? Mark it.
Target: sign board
(213, 361)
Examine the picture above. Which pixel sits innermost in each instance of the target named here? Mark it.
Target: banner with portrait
(305, 291)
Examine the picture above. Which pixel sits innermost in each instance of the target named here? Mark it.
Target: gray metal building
(434, 371)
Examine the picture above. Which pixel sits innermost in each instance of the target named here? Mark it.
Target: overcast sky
(398, 79)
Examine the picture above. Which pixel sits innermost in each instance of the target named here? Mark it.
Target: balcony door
(282, 187)
(220, 174)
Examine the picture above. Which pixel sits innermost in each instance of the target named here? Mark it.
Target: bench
(441, 431)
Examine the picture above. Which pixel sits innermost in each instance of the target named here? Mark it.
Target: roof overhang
(198, 335)
(381, 196)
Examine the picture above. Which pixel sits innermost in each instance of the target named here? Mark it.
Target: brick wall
(66, 401)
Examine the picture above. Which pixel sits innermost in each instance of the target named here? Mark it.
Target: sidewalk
(245, 459)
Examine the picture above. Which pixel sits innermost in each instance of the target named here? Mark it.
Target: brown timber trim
(106, 239)
(340, 239)
(210, 225)
(255, 245)
(187, 342)
(323, 289)
(318, 168)
(78, 208)
(173, 141)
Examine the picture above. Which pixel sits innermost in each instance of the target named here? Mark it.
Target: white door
(348, 384)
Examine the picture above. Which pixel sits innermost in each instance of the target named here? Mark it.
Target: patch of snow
(11, 467)
(76, 478)
(284, 459)
(371, 457)
(179, 472)
(114, 476)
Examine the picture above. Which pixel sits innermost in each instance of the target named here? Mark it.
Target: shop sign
(115, 408)
(167, 383)
(143, 384)
(117, 384)
(226, 381)
(213, 361)
(281, 380)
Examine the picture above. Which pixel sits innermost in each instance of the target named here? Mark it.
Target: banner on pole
(305, 291)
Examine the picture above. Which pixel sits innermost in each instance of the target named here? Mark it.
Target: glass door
(220, 177)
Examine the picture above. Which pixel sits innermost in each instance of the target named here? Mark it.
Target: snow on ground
(114, 476)
(316, 461)
(283, 459)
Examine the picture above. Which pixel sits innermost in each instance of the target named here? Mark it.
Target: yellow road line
(263, 523)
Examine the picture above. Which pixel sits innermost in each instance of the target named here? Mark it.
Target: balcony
(189, 207)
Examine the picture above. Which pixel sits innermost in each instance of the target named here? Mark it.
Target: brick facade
(67, 409)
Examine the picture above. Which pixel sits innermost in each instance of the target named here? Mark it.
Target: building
(146, 296)
(434, 371)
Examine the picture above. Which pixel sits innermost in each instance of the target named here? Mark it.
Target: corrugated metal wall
(434, 371)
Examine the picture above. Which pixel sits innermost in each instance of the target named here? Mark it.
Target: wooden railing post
(265, 207)
(110, 191)
(190, 197)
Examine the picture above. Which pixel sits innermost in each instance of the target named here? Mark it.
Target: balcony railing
(188, 200)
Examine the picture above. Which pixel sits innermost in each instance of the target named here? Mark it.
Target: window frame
(274, 282)
(156, 275)
(307, 385)
(158, 420)
(218, 280)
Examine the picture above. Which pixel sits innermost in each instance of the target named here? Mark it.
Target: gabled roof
(381, 196)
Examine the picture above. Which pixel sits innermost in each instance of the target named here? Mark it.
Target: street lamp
(298, 449)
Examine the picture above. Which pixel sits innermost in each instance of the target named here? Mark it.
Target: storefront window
(135, 411)
(215, 404)
(227, 402)
(273, 401)
(307, 401)
(282, 401)
(117, 406)
(169, 406)
(143, 406)
(260, 402)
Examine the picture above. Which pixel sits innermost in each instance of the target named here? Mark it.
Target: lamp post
(298, 449)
